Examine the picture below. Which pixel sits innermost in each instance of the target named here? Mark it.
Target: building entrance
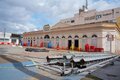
(76, 44)
(46, 40)
(69, 43)
(31, 43)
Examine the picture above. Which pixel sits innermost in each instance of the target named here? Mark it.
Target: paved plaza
(13, 59)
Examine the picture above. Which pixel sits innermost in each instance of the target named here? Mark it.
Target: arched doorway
(57, 41)
(63, 42)
(69, 42)
(31, 42)
(52, 42)
(94, 40)
(28, 43)
(37, 41)
(76, 42)
(34, 41)
(41, 42)
(46, 40)
(84, 41)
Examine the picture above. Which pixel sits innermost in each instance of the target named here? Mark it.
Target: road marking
(7, 67)
(34, 63)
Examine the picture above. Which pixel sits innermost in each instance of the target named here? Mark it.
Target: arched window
(46, 40)
(52, 37)
(57, 37)
(94, 40)
(84, 41)
(46, 37)
(76, 36)
(70, 36)
(94, 35)
(37, 37)
(84, 36)
(63, 36)
(63, 42)
(40, 37)
(57, 41)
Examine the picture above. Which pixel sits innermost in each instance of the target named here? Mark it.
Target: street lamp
(4, 34)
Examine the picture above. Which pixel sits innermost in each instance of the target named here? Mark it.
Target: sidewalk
(109, 72)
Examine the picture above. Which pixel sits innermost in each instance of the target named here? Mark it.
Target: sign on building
(110, 37)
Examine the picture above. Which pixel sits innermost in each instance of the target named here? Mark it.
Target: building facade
(9, 38)
(86, 31)
(5, 38)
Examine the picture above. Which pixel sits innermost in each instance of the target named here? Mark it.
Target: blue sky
(19, 16)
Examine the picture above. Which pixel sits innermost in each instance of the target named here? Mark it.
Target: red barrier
(24, 44)
(30, 44)
(92, 48)
(57, 47)
(99, 49)
(35, 45)
(96, 50)
(87, 47)
(41, 44)
(8, 43)
(2, 43)
(80, 49)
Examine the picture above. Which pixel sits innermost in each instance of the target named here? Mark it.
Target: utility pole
(4, 34)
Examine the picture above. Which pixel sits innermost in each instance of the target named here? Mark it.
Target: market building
(88, 30)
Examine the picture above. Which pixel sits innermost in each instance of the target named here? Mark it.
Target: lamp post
(4, 34)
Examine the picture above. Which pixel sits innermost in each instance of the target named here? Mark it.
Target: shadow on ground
(3, 51)
(18, 65)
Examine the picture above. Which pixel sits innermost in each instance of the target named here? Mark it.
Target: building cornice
(101, 25)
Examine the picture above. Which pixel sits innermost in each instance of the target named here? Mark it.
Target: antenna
(84, 7)
(86, 4)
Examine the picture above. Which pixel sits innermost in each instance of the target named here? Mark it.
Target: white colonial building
(88, 30)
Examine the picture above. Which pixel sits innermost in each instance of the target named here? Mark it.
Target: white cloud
(67, 8)
(16, 15)
(104, 4)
